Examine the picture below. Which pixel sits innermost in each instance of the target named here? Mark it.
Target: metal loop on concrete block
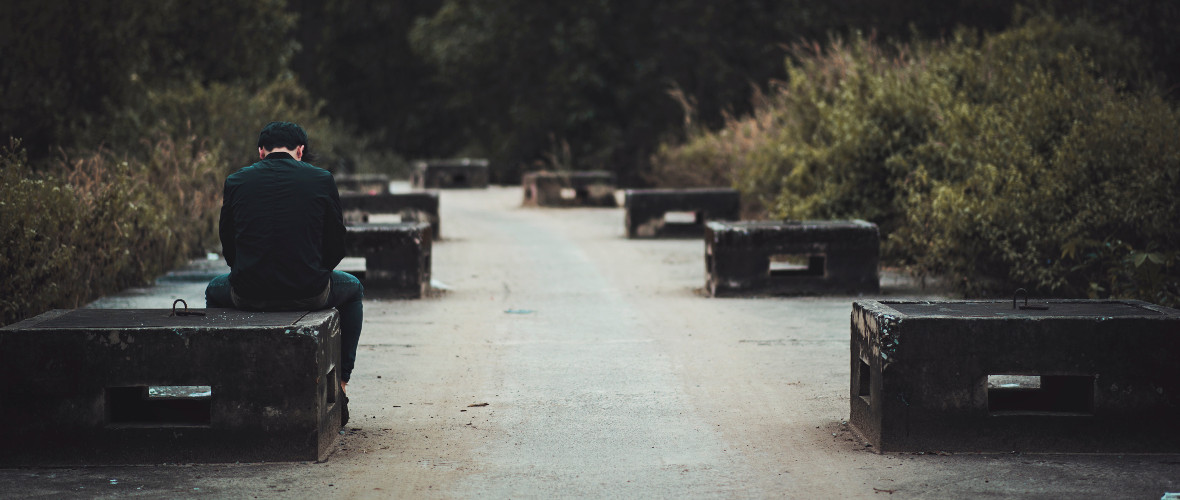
(185, 312)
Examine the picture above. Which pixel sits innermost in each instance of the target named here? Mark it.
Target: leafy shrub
(96, 222)
(228, 118)
(1048, 175)
(1091, 217)
(34, 212)
(100, 223)
(710, 159)
(1018, 160)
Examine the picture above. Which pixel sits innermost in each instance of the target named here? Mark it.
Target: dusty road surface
(600, 372)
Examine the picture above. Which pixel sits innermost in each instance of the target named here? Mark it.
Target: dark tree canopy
(68, 66)
(522, 82)
(584, 84)
(356, 56)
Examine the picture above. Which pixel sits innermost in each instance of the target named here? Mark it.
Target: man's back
(281, 229)
(282, 235)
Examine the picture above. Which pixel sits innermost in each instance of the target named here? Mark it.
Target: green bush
(1033, 158)
(34, 212)
(100, 223)
(228, 118)
(97, 221)
(1092, 216)
(1045, 173)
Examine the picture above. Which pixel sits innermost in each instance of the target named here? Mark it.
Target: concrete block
(419, 206)
(460, 173)
(791, 257)
(595, 188)
(647, 210)
(397, 258)
(1088, 376)
(116, 386)
(370, 184)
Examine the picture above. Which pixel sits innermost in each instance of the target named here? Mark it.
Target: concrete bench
(397, 258)
(454, 173)
(371, 184)
(791, 258)
(648, 210)
(137, 386)
(420, 206)
(1088, 376)
(595, 188)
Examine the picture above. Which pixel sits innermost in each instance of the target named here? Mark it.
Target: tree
(356, 56)
(71, 67)
(529, 78)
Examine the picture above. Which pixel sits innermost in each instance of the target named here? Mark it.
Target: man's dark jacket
(282, 231)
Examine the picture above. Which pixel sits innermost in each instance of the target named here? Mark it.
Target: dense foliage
(95, 221)
(1017, 160)
(71, 68)
(131, 114)
(522, 82)
(114, 90)
(100, 223)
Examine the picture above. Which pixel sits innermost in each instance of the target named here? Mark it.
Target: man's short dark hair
(282, 135)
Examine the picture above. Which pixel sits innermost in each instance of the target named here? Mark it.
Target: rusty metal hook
(185, 312)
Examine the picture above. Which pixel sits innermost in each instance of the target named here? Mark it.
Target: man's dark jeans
(346, 294)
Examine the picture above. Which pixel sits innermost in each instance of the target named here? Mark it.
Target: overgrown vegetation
(116, 90)
(1039, 157)
(100, 223)
(130, 117)
(95, 221)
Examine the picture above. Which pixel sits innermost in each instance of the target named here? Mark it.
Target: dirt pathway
(564, 360)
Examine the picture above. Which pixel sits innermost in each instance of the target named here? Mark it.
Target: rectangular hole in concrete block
(1040, 394)
(355, 217)
(680, 217)
(374, 189)
(179, 391)
(159, 405)
(796, 265)
(452, 179)
(385, 218)
(864, 381)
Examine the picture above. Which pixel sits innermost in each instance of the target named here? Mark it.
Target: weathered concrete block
(370, 184)
(115, 386)
(454, 173)
(419, 206)
(646, 210)
(791, 258)
(397, 257)
(595, 188)
(1078, 376)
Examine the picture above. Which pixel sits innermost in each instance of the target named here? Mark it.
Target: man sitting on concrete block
(282, 234)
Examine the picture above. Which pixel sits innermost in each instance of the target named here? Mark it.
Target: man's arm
(334, 231)
(225, 228)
